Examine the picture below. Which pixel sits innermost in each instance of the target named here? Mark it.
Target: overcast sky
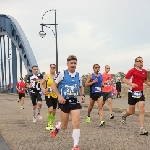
(112, 32)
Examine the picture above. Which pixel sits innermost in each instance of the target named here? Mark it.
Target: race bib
(73, 101)
(136, 94)
(97, 89)
(107, 83)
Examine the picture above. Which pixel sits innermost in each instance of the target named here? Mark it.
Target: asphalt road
(20, 133)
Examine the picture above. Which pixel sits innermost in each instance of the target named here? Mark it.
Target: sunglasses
(107, 68)
(141, 61)
(53, 67)
(96, 67)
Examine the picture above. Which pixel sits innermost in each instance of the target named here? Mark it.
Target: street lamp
(43, 34)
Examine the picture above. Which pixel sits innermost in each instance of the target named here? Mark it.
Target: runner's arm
(127, 77)
(81, 88)
(28, 82)
(147, 82)
(17, 87)
(59, 77)
(42, 85)
(88, 81)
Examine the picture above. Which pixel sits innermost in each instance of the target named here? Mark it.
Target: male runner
(107, 89)
(21, 87)
(107, 94)
(50, 97)
(94, 80)
(69, 84)
(33, 82)
(135, 79)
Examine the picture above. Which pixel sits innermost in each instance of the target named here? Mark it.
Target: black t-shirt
(118, 85)
(35, 81)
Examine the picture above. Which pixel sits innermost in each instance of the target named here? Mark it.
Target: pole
(56, 44)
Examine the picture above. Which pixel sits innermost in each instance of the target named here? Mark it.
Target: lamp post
(43, 34)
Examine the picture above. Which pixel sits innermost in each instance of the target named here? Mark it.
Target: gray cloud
(98, 31)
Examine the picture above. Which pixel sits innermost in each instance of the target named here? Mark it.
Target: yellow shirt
(49, 82)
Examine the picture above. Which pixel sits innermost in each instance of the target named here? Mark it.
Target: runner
(94, 80)
(69, 84)
(135, 79)
(21, 87)
(107, 93)
(50, 97)
(33, 82)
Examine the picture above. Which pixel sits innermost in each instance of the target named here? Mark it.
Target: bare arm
(55, 89)
(126, 81)
(88, 81)
(17, 88)
(147, 82)
(81, 90)
(42, 83)
(28, 83)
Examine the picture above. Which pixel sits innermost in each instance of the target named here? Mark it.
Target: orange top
(107, 82)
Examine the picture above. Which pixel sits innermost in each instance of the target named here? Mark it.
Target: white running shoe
(34, 119)
(39, 116)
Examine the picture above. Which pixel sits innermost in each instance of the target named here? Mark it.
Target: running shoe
(123, 118)
(102, 123)
(111, 116)
(76, 148)
(88, 119)
(143, 132)
(39, 116)
(34, 119)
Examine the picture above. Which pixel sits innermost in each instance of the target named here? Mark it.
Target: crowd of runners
(62, 89)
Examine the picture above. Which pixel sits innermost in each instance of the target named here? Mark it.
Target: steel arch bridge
(12, 38)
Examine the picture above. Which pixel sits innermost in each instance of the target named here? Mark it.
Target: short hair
(34, 66)
(96, 65)
(137, 58)
(52, 64)
(21, 78)
(106, 66)
(71, 57)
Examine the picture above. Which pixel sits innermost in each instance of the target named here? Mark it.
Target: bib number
(36, 85)
(136, 94)
(97, 89)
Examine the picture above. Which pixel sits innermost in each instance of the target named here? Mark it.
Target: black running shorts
(59, 105)
(132, 100)
(35, 97)
(95, 96)
(67, 107)
(51, 102)
(21, 95)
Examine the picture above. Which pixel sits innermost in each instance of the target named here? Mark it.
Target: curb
(3, 144)
(117, 110)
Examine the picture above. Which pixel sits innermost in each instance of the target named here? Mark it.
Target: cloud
(104, 32)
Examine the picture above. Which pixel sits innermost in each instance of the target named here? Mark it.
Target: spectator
(114, 91)
(118, 88)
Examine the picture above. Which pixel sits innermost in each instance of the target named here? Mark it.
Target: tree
(25, 78)
(86, 89)
(120, 75)
(148, 75)
(113, 78)
(43, 73)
